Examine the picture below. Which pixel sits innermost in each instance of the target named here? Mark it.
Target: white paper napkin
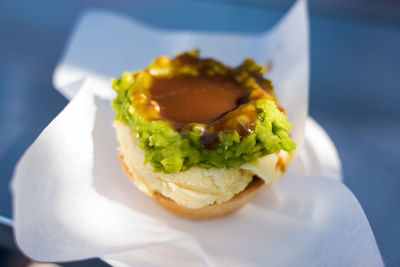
(71, 199)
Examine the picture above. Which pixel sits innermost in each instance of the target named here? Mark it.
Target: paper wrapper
(72, 200)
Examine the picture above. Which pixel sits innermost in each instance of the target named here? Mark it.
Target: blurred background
(354, 90)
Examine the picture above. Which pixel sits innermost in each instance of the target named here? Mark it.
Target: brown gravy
(196, 99)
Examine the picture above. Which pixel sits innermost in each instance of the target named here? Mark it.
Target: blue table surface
(354, 90)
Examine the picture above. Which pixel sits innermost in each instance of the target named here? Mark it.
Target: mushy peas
(191, 112)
